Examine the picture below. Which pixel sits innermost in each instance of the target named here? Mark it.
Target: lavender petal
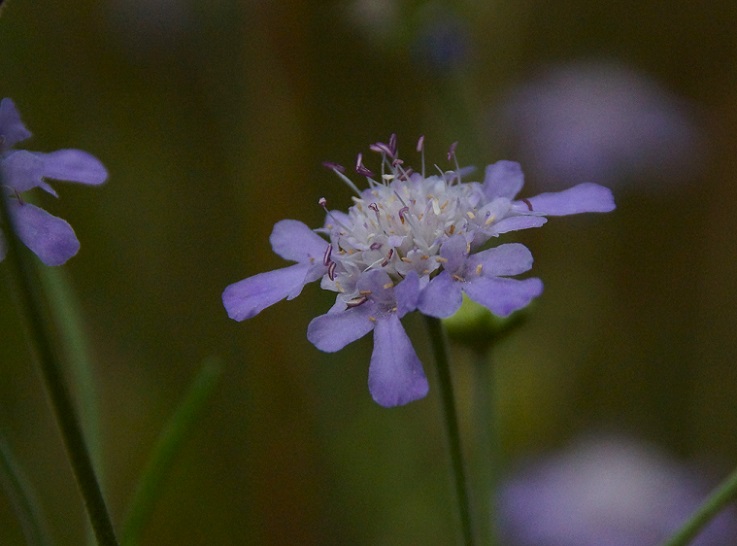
(73, 166)
(396, 376)
(441, 297)
(503, 179)
(503, 296)
(50, 238)
(586, 197)
(336, 329)
(11, 126)
(294, 240)
(501, 261)
(247, 298)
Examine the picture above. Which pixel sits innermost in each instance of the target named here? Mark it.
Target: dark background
(213, 119)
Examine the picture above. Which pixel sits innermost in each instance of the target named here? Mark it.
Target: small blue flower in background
(605, 491)
(50, 238)
(409, 242)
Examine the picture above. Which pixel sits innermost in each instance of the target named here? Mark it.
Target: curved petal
(396, 376)
(454, 251)
(294, 240)
(441, 297)
(247, 298)
(50, 238)
(503, 179)
(11, 126)
(407, 293)
(515, 223)
(22, 171)
(503, 296)
(585, 197)
(333, 331)
(502, 260)
(73, 166)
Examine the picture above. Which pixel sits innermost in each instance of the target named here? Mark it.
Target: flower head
(408, 242)
(50, 238)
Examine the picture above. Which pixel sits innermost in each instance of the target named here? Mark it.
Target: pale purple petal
(50, 238)
(73, 166)
(454, 250)
(502, 260)
(442, 297)
(11, 126)
(336, 329)
(22, 171)
(247, 298)
(503, 179)
(503, 296)
(407, 293)
(294, 240)
(586, 197)
(395, 374)
(515, 223)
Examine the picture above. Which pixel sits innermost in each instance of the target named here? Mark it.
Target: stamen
(361, 168)
(527, 202)
(326, 256)
(421, 149)
(402, 212)
(355, 302)
(375, 246)
(331, 271)
(339, 170)
(393, 143)
(381, 148)
(452, 150)
(388, 257)
(388, 285)
(479, 267)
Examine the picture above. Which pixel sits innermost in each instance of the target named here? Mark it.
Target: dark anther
(527, 202)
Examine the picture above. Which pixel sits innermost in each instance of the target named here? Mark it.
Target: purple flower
(606, 491)
(409, 242)
(603, 121)
(50, 238)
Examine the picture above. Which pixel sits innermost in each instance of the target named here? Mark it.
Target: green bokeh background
(213, 120)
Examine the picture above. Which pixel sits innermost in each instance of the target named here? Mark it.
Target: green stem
(716, 502)
(59, 396)
(437, 339)
(168, 445)
(23, 498)
(486, 446)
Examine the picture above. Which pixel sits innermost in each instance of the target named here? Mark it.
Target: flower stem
(717, 501)
(486, 445)
(61, 401)
(437, 339)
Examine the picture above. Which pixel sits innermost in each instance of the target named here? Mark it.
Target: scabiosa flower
(50, 238)
(409, 242)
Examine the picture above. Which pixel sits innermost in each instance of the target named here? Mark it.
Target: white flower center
(399, 225)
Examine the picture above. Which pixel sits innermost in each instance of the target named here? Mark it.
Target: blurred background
(213, 120)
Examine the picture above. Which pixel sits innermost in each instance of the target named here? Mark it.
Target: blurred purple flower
(50, 238)
(608, 492)
(599, 121)
(408, 242)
